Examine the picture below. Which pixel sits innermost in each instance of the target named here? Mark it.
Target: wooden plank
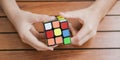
(6, 26)
(11, 41)
(110, 54)
(115, 9)
(101, 40)
(52, 8)
(109, 23)
(54, 0)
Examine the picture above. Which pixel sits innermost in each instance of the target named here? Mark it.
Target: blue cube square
(66, 33)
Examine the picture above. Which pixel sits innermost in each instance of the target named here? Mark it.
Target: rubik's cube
(57, 31)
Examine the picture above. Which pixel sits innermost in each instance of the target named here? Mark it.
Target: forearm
(10, 8)
(101, 7)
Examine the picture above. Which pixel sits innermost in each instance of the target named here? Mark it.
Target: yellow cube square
(57, 32)
(60, 18)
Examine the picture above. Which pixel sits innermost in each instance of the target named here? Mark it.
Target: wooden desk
(104, 46)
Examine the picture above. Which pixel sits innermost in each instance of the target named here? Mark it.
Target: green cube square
(67, 40)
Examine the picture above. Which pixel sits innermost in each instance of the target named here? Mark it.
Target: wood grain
(109, 23)
(6, 26)
(53, 8)
(50, 8)
(104, 46)
(54, 0)
(101, 40)
(110, 54)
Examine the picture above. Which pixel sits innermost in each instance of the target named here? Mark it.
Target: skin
(89, 18)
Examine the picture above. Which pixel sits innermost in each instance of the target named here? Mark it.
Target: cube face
(57, 31)
(60, 18)
(59, 40)
(51, 42)
(48, 26)
(49, 34)
(67, 40)
(66, 33)
(64, 25)
(55, 24)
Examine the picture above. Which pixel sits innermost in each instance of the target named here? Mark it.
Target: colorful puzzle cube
(57, 31)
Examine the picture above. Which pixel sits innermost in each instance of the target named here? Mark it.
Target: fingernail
(61, 13)
(50, 48)
(80, 43)
(52, 18)
(64, 14)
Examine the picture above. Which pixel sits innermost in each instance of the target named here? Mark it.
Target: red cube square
(64, 25)
(49, 34)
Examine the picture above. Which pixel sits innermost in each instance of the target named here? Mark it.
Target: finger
(86, 38)
(80, 35)
(75, 40)
(73, 31)
(44, 18)
(67, 15)
(41, 18)
(39, 26)
(75, 23)
(52, 18)
(34, 32)
(39, 35)
(54, 46)
(34, 42)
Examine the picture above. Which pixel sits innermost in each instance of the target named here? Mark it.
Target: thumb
(81, 35)
(43, 18)
(67, 15)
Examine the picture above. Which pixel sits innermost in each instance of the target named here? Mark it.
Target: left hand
(23, 22)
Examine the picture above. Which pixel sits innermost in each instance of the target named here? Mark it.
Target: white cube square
(48, 26)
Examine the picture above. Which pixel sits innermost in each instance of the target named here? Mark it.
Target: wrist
(10, 8)
(96, 14)
(13, 15)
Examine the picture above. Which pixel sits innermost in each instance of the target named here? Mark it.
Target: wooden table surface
(104, 46)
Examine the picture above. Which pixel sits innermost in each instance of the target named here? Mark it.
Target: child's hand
(89, 27)
(23, 22)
